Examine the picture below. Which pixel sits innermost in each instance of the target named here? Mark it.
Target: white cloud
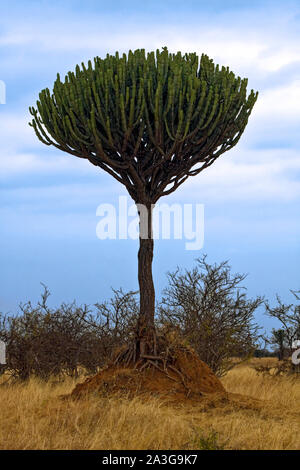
(56, 197)
(276, 58)
(259, 38)
(22, 152)
(260, 175)
(15, 131)
(226, 45)
(257, 44)
(283, 101)
(18, 163)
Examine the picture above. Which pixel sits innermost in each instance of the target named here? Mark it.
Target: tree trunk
(146, 340)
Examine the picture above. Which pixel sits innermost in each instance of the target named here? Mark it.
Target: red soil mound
(187, 378)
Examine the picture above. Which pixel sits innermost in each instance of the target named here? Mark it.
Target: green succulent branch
(150, 120)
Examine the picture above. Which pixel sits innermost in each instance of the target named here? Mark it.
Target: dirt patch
(188, 381)
(188, 378)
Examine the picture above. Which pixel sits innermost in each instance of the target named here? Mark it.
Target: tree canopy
(150, 120)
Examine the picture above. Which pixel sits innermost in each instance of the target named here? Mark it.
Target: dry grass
(33, 417)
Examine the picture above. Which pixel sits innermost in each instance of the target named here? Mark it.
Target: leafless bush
(44, 341)
(211, 310)
(283, 339)
(206, 305)
(289, 317)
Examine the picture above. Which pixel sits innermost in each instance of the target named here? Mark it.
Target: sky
(251, 194)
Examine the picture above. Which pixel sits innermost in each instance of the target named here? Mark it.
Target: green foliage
(209, 441)
(146, 119)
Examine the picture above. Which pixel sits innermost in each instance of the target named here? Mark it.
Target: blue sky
(48, 200)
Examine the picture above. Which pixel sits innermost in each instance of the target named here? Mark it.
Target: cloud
(228, 36)
(23, 153)
(15, 132)
(281, 101)
(265, 162)
(12, 164)
(251, 176)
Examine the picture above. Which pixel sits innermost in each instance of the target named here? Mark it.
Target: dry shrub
(210, 308)
(42, 341)
(206, 306)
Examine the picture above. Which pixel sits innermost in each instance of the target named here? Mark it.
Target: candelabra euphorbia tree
(150, 121)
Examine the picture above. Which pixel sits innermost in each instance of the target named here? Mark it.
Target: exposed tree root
(175, 372)
(165, 348)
